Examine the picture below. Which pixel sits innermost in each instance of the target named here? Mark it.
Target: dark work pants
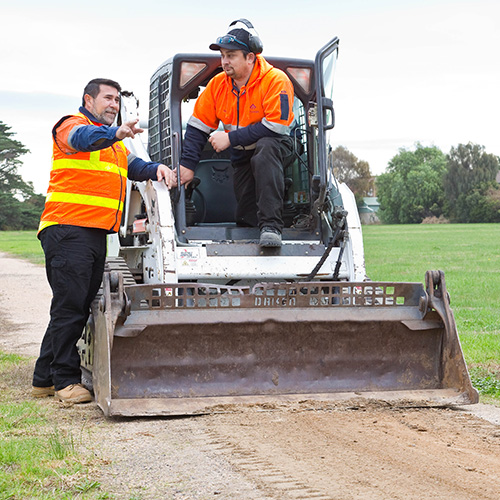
(74, 262)
(259, 183)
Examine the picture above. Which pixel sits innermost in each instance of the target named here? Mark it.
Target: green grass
(9, 359)
(39, 457)
(22, 244)
(469, 255)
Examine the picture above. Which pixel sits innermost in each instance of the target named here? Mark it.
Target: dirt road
(308, 450)
(24, 305)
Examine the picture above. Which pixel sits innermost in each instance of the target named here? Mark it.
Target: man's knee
(267, 145)
(273, 149)
(267, 156)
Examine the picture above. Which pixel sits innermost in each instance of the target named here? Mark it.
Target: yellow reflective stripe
(71, 161)
(92, 164)
(44, 224)
(83, 199)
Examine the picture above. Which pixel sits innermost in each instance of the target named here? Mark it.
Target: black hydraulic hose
(325, 255)
(339, 262)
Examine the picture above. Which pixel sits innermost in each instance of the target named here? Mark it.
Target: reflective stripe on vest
(90, 164)
(83, 199)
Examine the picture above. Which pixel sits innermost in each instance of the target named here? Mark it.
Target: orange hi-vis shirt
(85, 189)
(267, 98)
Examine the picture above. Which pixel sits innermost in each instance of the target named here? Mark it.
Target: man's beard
(104, 117)
(229, 70)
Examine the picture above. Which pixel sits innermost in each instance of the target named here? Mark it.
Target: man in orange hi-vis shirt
(253, 100)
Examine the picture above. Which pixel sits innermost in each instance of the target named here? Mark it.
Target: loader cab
(211, 200)
(205, 210)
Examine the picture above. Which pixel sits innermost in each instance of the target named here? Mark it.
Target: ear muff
(254, 42)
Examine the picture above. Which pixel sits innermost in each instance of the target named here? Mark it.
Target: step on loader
(193, 314)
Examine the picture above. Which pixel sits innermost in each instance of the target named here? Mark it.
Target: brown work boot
(74, 393)
(42, 392)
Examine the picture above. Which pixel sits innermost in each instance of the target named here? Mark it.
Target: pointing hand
(128, 129)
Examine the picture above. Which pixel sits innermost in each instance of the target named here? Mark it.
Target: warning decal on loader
(189, 257)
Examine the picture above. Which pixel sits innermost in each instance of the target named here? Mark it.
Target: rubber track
(118, 264)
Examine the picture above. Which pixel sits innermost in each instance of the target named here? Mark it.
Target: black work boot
(270, 237)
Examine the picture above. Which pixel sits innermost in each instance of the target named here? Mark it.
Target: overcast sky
(408, 71)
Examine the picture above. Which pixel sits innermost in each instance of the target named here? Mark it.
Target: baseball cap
(237, 39)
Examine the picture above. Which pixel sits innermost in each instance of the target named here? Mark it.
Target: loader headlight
(190, 70)
(302, 76)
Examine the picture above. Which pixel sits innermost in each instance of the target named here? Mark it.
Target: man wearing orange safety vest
(254, 101)
(84, 203)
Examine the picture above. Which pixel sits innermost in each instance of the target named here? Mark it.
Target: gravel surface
(24, 303)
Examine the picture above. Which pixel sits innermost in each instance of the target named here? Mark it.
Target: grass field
(23, 244)
(469, 255)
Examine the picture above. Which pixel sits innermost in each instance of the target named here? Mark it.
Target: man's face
(235, 64)
(105, 106)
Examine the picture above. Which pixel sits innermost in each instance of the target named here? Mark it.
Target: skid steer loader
(193, 313)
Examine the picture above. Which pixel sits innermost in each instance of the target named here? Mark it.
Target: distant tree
(472, 193)
(353, 172)
(20, 207)
(412, 187)
(10, 150)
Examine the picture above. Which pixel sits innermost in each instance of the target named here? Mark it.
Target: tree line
(460, 186)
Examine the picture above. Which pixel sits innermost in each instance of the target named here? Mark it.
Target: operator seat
(214, 197)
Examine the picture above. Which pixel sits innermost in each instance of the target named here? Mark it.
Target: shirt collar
(89, 115)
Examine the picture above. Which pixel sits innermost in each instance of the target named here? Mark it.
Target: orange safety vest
(260, 100)
(86, 189)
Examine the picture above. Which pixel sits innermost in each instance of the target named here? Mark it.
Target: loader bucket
(184, 348)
